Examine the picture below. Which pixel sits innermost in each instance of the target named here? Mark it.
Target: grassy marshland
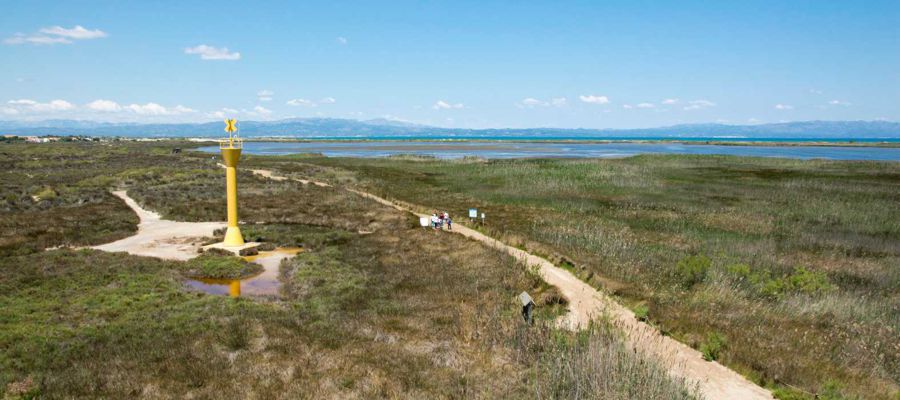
(786, 270)
(400, 312)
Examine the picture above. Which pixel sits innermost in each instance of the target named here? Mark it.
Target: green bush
(808, 282)
(801, 280)
(641, 312)
(692, 269)
(742, 271)
(713, 346)
(221, 267)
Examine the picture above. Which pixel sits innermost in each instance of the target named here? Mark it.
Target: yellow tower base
(233, 237)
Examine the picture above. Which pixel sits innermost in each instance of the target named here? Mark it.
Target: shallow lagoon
(494, 150)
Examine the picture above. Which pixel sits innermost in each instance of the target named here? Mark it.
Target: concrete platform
(247, 249)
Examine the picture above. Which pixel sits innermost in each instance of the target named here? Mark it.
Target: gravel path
(156, 237)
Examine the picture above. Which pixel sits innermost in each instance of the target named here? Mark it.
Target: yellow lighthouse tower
(231, 153)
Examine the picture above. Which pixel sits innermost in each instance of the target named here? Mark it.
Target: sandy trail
(156, 237)
(714, 380)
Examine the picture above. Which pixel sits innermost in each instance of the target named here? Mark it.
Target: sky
(467, 64)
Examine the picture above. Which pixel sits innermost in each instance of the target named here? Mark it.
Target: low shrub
(741, 271)
(808, 282)
(642, 312)
(713, 346)
(692, 270)
(801, 280)
(221, 267)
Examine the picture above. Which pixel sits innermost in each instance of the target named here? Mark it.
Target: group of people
(439, 219)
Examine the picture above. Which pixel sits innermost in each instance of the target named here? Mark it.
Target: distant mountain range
(382, 128)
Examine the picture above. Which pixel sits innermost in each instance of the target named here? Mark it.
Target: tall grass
(625, 224)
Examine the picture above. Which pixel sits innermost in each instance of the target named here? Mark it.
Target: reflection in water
(263, 284)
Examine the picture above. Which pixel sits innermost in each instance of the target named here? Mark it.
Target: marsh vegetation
(400, 312)
(785, 270)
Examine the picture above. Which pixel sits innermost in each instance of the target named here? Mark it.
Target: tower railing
(231, 143)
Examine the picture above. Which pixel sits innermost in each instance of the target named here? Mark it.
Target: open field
(374, 306)
(785, 270)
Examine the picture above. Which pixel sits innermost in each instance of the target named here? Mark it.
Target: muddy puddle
(265, 283)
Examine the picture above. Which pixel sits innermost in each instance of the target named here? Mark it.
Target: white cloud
(78, 32)
(301, 103)
(670, 101)
(21, 38)
(9, 111)
(699, 105)
(265, 95)
(310, 103)
(56, 35)
(645, 105)
(262, 110)
(98, 106)
(56, 105)
(341, 40)
(530, 102)
(627, 106)
(34, 106)
(839, 103)
(594, 99)
(784, 107)
(147, 109)
(443, 105)
(753, 120)
(223, 113)
(816, 91)
(22, 102)
(104, 106)
(154, 109)
(213, 53)
(180, 109)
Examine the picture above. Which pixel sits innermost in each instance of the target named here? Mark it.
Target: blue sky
(593, 64)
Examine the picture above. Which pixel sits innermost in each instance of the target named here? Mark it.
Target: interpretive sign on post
(482, 218)
(527, 306)
(424, 221)
(473, 213)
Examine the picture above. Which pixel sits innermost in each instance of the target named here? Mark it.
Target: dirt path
(714, 380)
(156, 237)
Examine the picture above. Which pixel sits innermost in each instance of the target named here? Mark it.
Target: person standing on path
(449, 221)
